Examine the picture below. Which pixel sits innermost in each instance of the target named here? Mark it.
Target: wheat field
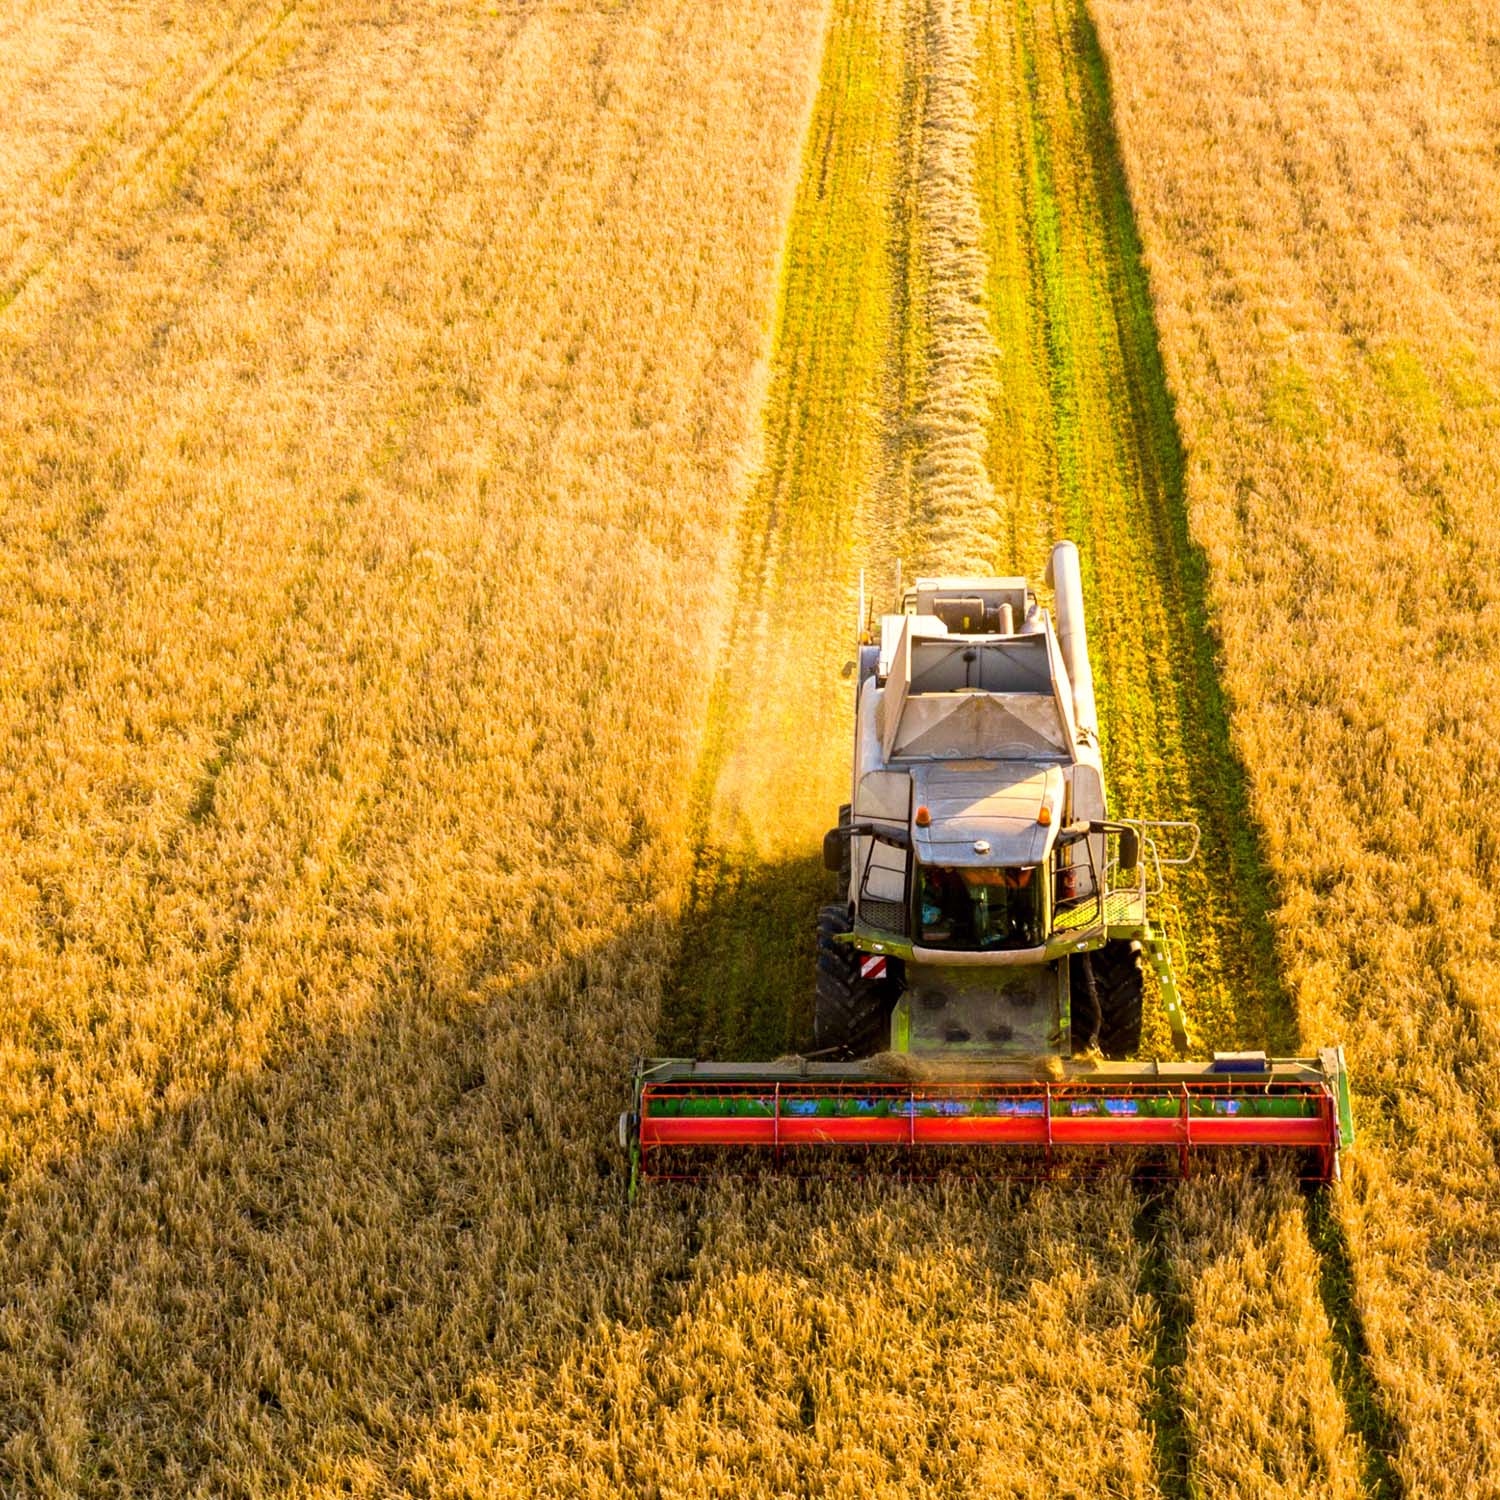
(441, 446)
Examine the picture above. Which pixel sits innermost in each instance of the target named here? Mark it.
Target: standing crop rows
(369, 434)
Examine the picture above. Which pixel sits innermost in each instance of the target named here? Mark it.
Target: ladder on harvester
(1158, 948)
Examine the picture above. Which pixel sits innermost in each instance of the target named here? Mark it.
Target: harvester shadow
(310, 1268)
(742, 986)
(306, 1261)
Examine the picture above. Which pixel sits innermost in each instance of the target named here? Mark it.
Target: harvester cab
(981, 978)
(990, 908)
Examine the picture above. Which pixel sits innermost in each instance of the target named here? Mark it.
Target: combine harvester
(981, 984)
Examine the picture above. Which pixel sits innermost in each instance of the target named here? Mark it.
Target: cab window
(979, 909)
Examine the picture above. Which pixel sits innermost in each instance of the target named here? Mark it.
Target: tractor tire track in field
(166, 108)
(1078, 438)
(1369, 1411)
(1170, 1446)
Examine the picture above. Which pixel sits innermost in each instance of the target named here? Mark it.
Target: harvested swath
(1333, 343)
(1083, 444)
(774, 762)
(961, 524)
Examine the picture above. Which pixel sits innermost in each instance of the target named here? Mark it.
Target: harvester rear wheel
(1120, 982)
(851, 1014)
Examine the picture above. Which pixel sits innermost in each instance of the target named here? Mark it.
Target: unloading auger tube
(980, 978)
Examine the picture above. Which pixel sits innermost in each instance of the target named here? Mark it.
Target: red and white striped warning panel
(872, 966)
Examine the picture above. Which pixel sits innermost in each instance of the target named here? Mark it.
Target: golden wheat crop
(374, 400)
(1318, 198)
(441, 443)
(1264, 1414)
(871, 1344)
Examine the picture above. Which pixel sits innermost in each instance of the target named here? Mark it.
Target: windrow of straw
(961, 523)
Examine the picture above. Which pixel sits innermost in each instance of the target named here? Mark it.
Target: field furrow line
(160, 154)
(1369, 1407)
(1172, 1314)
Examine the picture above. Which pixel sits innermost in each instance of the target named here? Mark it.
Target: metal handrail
(1168, 825)
(1149, 881)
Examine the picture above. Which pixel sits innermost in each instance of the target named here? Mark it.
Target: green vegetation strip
(774, 766)
(1084, 444)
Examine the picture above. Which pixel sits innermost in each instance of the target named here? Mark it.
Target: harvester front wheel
(1120, 984)
(851, 1014)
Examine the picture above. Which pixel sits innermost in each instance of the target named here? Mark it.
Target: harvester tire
(851, 1014)
(1120, 983)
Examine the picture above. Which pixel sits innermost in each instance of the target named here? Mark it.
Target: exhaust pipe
(1066, 578)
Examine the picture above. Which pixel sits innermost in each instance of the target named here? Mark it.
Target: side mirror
(1130, 848)
(847, 670)
(833, 849)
